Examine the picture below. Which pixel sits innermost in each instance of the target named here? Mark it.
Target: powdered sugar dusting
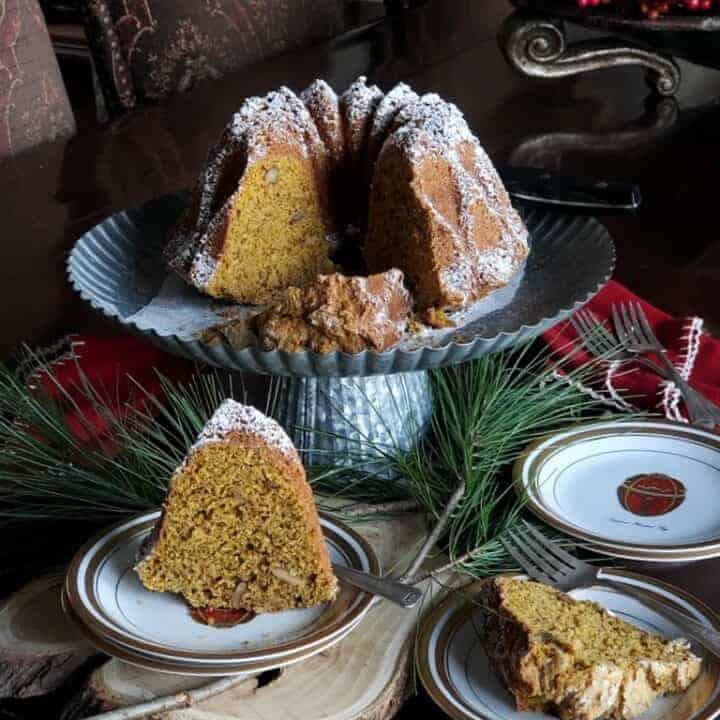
(357, 104)
(323, 105)
(233, 416)
(431, 126)
(400, 96)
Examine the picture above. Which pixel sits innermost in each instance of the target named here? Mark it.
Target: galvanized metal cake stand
(335, 405)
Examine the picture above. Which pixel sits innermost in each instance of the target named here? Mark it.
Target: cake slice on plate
(572, 658)
(239, 529)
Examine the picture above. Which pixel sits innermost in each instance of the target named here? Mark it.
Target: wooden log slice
(39, 649)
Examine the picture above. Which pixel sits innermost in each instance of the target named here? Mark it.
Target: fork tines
(538, 556)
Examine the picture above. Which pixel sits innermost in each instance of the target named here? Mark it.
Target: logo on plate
(652, 494)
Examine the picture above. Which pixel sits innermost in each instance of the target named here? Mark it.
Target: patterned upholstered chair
(34, 106)
(145, 50)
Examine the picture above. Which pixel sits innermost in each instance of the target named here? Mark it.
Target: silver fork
(634, 331)
(545, 561)
(400, 593)
(600, 342)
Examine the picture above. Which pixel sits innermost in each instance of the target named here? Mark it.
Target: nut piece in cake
(572, 658)
(239, 529)
(336, 312)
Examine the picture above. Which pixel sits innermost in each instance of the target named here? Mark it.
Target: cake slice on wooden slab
(239, 529)
(572, 658)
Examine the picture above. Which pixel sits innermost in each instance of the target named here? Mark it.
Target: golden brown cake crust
(439, 211)
(337, 312)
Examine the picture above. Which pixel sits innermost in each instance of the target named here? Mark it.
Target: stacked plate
(105, 600)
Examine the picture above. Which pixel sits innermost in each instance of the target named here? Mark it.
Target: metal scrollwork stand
(537, 46)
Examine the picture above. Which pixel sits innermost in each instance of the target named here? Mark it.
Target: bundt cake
(239, 527)
(289, 172)
(572, 658)
(337, 312)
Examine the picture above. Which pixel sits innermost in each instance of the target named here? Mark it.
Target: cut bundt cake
(260, 216)
(239, 527)
(337, 312)
(289, 172)
(439, 211)
(572, 658)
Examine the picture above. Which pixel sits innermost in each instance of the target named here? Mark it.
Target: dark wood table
(601, 125)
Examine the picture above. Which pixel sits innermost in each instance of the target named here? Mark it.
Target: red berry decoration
(653, 9)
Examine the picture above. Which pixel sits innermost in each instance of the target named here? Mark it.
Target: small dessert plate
(455, 672)
(106, 596)
(193, 668)
(633, 489)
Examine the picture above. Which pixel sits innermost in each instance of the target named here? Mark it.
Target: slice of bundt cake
(572, 658)
(239, 528)
(260, 216)
(337, 312)
(439, 211)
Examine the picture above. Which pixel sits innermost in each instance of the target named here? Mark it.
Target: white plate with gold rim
(190, 667)
(106, 596)
(645, 490)
(455, 672)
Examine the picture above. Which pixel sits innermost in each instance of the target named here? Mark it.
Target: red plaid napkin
(123, 371)
(630, 386)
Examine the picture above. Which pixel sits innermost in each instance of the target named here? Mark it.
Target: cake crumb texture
(239, 527)
(572, 658)
(337, 312)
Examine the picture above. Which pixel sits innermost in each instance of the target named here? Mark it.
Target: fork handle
(699, 415)
(401, 594)
(702, 634)
(698, 400)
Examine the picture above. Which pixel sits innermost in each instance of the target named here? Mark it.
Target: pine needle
(485, 413)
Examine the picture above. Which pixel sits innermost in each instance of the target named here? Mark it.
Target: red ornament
(222, 617)
(651, 495)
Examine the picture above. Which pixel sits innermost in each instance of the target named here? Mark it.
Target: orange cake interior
(239, 527)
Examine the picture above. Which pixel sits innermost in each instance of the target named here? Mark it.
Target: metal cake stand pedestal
(347, 421)
(337, 407)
